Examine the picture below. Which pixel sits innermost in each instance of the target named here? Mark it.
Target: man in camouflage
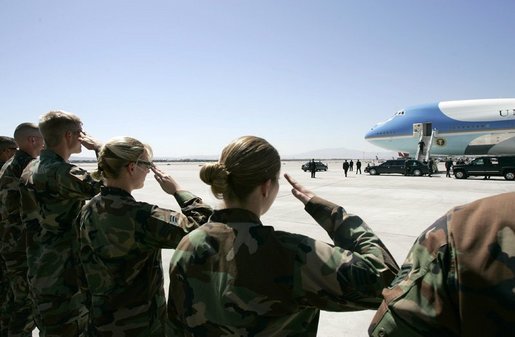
(236, 277)
(12, 231)
(8, 147)
(458, 278)
(53, 191)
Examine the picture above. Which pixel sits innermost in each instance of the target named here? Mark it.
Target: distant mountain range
(334, 153)
(341, 153)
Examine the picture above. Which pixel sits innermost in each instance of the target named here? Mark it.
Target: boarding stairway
(428, 144)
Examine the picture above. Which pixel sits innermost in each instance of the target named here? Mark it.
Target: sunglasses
(146, 164)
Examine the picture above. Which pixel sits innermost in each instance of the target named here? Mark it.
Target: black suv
(319, 166)
(402, 166)
(487, 166)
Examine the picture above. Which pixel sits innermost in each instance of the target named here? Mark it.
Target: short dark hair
(7, 142)
(24, 130)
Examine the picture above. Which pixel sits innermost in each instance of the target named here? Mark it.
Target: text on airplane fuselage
(507, 112)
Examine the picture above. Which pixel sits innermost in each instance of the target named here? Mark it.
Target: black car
(319, 166)
(401, 166)
(502, 166)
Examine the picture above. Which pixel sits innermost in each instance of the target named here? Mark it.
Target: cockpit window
(399, 113)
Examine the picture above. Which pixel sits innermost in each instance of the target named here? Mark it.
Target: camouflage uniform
(236, 277)
(53, 191)
(458, 278)
(5, 299)
(121, 241)
(12, 237)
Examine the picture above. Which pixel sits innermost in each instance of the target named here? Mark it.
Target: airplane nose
(370, 134)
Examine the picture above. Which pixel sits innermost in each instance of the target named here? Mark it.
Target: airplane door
(427, 129)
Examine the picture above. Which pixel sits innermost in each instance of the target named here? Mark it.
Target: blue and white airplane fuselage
(469, 127)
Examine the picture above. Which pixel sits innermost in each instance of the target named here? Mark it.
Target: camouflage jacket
(121, 241)
(236, 277)
(53, 192)
(11, 230)
(458, 278)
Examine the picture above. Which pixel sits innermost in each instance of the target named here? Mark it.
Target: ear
(130, 168)
(265, 188)
(68, 136)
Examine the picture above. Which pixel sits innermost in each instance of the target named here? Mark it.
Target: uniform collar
(229, 215)
(107, 190)
(49, 154)
(22, 154)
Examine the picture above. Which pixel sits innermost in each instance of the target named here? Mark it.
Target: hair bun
(212, 172)
(215, 175)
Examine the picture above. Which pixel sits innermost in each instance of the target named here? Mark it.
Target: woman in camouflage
(121, 241)
(234, 276)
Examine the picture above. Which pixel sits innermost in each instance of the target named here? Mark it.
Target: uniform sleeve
(76, 183)
(10, 229)
(421, 300)
(351, 274)
(165, 228)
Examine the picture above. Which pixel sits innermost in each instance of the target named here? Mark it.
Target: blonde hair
(54, 124)
(118, 153)
(244, 164)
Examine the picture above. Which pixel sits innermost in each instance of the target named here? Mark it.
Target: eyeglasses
(146, 164)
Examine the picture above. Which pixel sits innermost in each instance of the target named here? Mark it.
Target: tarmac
(398, 208)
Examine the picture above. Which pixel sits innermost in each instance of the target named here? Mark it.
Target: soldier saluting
(53, 191)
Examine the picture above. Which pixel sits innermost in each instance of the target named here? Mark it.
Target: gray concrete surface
(397, 207)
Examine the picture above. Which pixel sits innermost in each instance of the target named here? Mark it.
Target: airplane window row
(467, 127)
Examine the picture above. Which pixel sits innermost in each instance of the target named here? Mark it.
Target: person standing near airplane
(421, 145)
(53, 191)
(358, 166)
(313, 168)
(121, 241)
(235, 276)
(351, 165)
(345, 167)
(458, 277)
(430, 166)
(19, 307)
(448, 166)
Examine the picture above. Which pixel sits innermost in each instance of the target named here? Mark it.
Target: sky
(188, 77)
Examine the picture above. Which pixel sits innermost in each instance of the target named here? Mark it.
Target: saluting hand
(89, 142)
(298, 190)
(167, 183)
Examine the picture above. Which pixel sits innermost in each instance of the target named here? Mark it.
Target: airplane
(451, 128)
